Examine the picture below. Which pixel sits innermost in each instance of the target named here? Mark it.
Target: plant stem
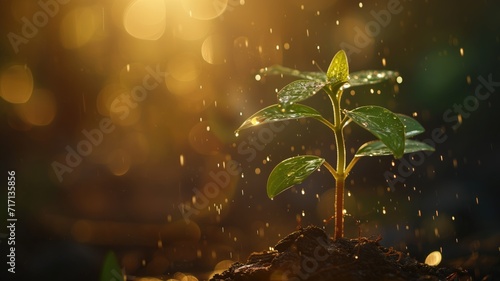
(341, 163)
(339, 208)
(349, 167)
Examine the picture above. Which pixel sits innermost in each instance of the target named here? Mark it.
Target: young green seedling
(392, 130)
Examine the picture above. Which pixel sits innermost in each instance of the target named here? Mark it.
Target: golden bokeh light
(16, 84)
(433, 259)
(40, 110)
(213, 49)
(223, 265)
(269, 50)
(119, 162)
(189, 278)
(205, 9)
(133, 75)
(126, 112)
(145, 19)
(106, 96)
(187, 28)
(204, 141)
(79, 26)
(181, 88)
(184, 67)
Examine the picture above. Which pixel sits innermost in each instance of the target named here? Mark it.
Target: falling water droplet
(181, 160)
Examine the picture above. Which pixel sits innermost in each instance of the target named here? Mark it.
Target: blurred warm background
(118, 117)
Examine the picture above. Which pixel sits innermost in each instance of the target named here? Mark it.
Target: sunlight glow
(204, 10)
(78, 27)
(40, 110)
(433, 259)
(213, 49)
(16, 84)
(145, 19)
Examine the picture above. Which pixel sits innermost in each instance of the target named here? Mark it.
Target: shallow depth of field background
(118, 117)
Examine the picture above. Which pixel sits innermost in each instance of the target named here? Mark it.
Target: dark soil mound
(309, 254)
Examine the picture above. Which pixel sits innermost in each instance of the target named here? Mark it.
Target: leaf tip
(339, 67)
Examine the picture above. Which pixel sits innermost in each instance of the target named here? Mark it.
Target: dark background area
(178, 140)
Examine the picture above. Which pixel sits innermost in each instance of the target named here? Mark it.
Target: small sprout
(393, 131)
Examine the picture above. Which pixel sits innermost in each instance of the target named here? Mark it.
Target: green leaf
(338, 71)
(299, 90)
(378, 148)
(368, 77)
(382, 123)
(281, 70)
(111, 271)
(412, 127)
(277, 112)
(291, 171)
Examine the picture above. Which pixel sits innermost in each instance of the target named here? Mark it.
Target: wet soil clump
(309, 254)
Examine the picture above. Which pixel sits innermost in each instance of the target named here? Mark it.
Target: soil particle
(309, 254)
